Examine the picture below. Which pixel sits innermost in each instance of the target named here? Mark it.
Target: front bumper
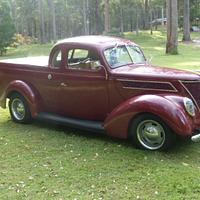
(196, 137)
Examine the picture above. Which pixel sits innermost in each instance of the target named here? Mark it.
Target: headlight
(189, 106)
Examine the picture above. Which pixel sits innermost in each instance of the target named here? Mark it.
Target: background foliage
(6, 26)
(50, 20)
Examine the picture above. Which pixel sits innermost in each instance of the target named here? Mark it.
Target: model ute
(104, 84)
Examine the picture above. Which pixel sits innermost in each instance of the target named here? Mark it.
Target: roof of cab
(94, 40)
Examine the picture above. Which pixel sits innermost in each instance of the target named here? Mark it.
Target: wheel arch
(30, 94)
(170, 112)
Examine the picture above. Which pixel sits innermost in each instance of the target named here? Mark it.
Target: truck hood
(153, 72)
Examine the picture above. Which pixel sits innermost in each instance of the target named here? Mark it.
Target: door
(47, 81)
(84, 86)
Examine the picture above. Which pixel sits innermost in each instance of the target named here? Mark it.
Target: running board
(94, 126)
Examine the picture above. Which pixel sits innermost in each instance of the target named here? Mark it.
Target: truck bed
(41, 61)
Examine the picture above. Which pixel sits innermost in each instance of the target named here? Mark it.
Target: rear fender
(27, 91)
(168, 109)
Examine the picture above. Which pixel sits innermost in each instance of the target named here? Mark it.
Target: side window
(56, 60)
(83, 59)
(76, 56)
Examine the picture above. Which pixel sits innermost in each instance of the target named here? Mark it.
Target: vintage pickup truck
(104, 84)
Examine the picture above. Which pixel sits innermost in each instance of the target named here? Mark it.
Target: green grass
(154, 48)
(28, 50)
(42, 161)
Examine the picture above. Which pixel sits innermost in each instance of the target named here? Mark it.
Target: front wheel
(150, 132)
(19, 109)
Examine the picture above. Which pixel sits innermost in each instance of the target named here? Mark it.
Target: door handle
(49, 76)
(63, 84)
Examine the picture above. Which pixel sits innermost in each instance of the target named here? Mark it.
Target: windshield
(123, 55)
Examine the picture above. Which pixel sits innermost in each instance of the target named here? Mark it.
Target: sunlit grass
(154, 48)
(28, 50)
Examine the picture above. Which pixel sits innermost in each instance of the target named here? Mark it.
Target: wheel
(19, 109)
(150, 132)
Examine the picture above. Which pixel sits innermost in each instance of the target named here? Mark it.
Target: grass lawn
(154, 47)
(42, 161)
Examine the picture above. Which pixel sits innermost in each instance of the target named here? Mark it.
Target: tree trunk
(121, 18)
(53, 19)
(162, 13)
(107, 17)
(172, 27)
(97, 20)
(146, 14)
(186, 21)
(151, 19)
(85, 17)
(137, 23)
(42, 25)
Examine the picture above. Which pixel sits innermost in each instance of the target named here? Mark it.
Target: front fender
(28, 91)
(163, 106)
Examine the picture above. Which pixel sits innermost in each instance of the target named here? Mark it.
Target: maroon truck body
(110, 96)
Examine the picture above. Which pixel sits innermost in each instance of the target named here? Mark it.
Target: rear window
(56, 60)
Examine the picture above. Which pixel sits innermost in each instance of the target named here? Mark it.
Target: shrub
(20, 39)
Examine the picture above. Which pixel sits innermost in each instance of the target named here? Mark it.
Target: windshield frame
(124, 45)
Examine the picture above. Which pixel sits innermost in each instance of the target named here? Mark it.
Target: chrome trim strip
(181, 82)
(140, 81)
(134, 88)
(106, 73)
(190, 81)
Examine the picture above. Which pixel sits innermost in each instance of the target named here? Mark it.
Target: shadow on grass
(181, 147)
(181, 144)
(78, 132)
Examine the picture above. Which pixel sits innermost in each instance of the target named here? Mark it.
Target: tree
(42, 22)
(85, 16)
(49, 20)
(146, 14)
(53, 18)
(107, 16)
(121, 17)
(172, 27)
(97, 17)
(7, 29)
(186, 21)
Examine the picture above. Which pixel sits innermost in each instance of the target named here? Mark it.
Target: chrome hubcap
(151, 134)
(18, 109)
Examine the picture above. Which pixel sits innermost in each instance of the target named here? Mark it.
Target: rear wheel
(19, 109)
(150, 132)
